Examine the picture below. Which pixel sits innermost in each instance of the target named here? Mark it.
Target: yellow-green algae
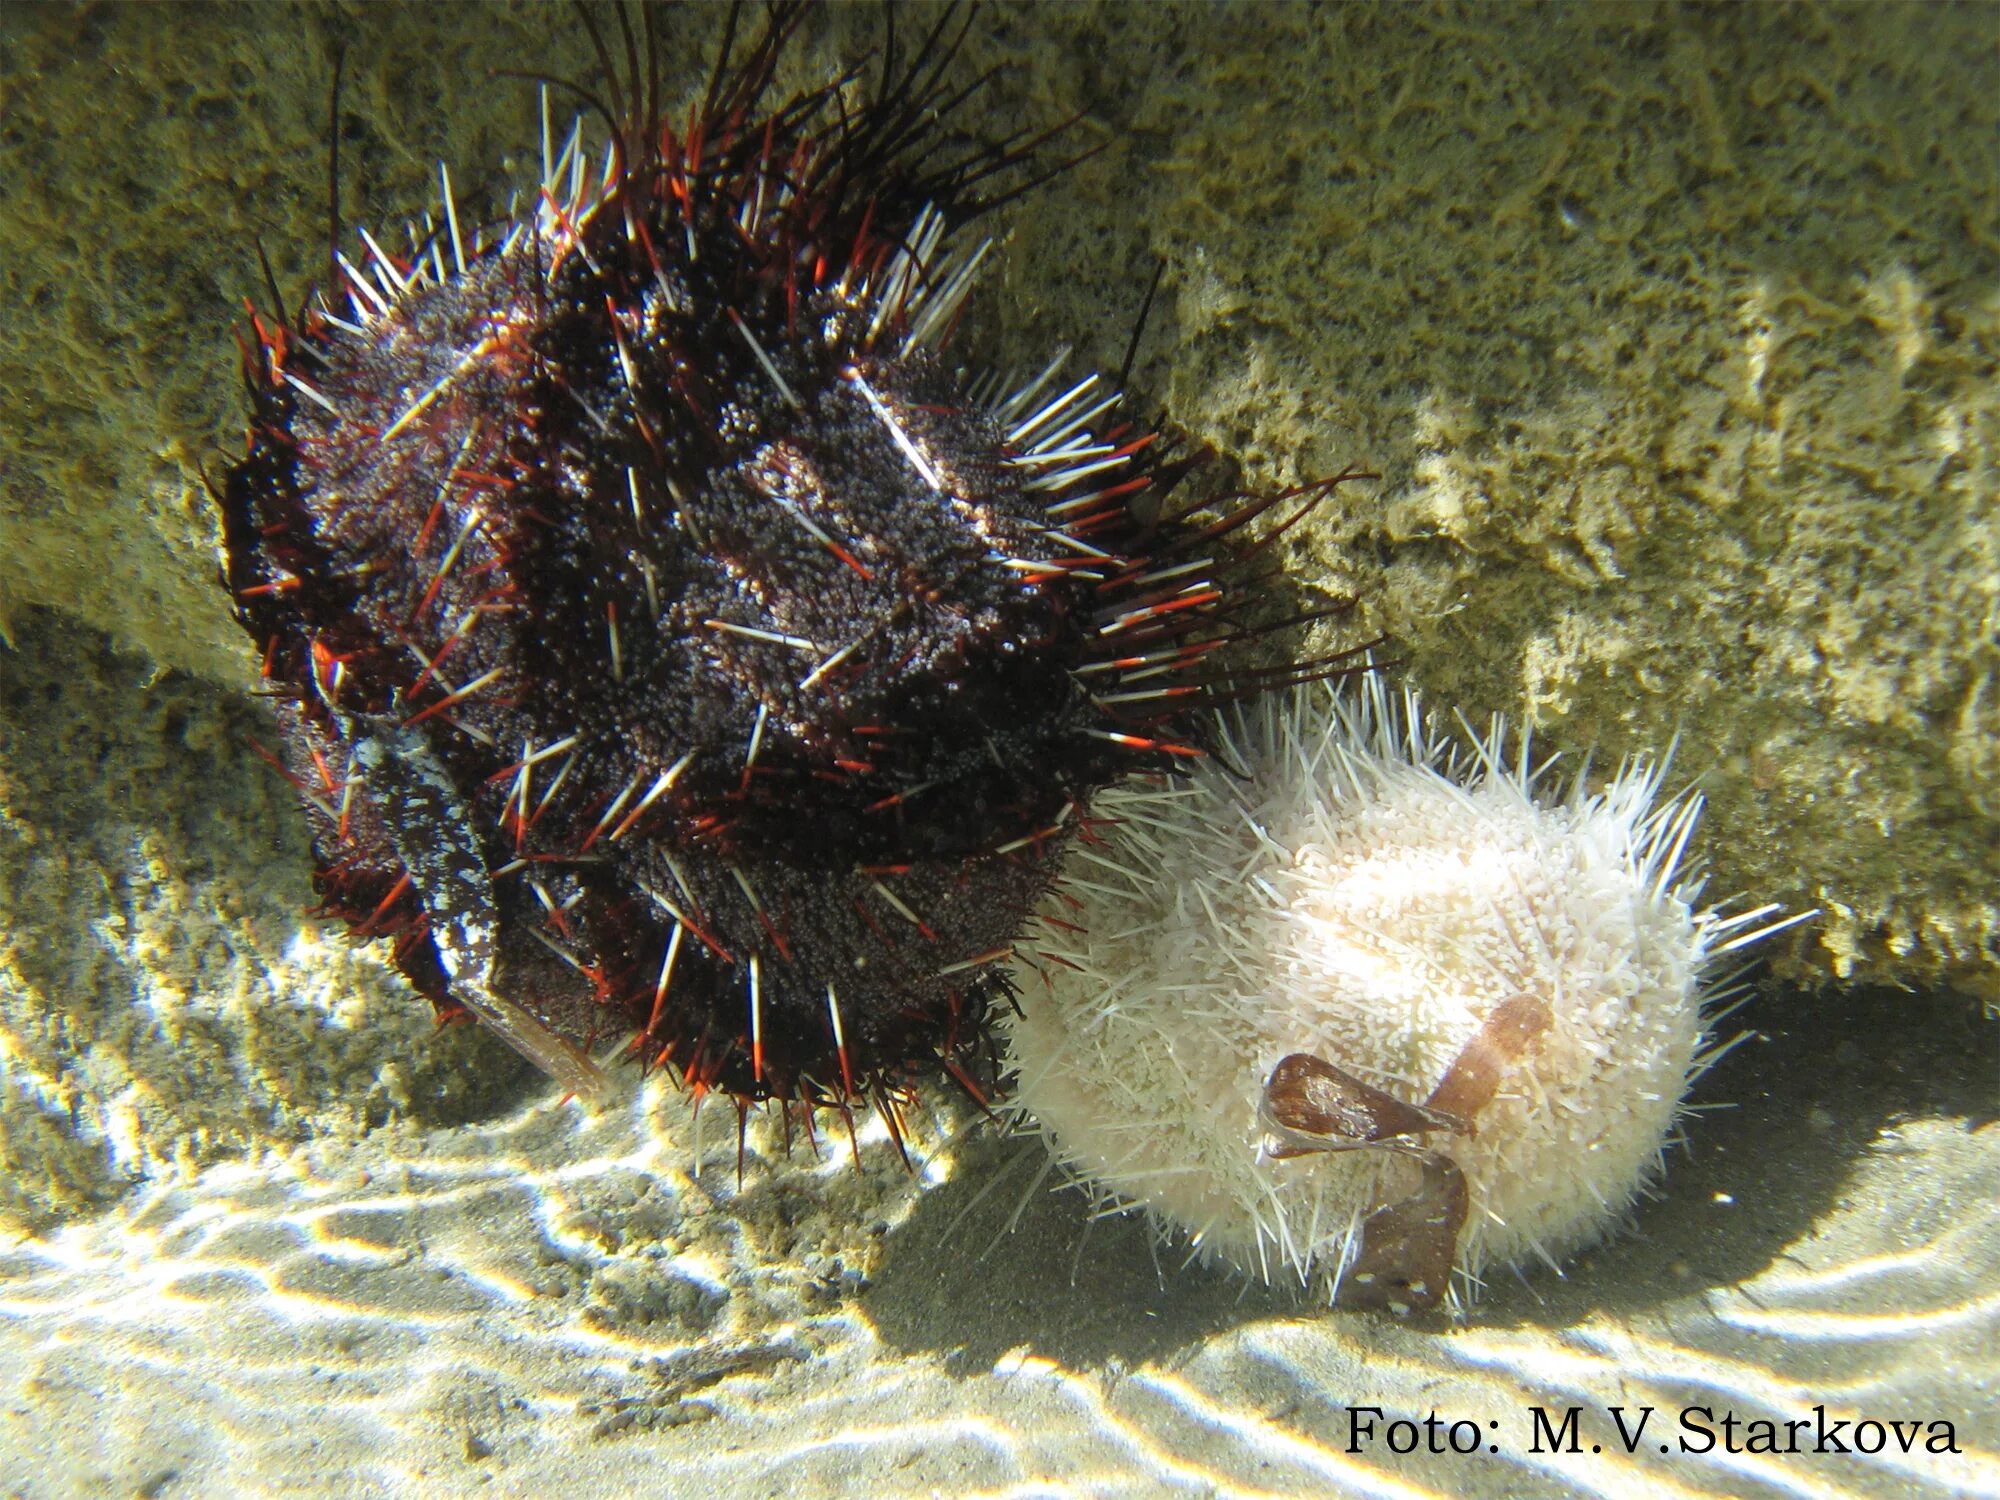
(1673, 334)
(1671, 331)
(162, 1004)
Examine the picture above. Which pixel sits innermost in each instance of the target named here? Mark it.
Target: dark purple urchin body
(666, 643)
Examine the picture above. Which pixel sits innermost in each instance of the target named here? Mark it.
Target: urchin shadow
(992, 1262)
(1003, 1256)
(1780, 1125)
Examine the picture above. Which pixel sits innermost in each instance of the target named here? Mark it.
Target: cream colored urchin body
(1368, 895)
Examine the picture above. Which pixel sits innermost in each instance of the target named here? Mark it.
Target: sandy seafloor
(546, 1301)
(262, 1231)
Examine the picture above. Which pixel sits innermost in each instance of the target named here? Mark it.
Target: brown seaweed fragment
(1474, 1076)
(1407, 1247)
(1311, 1105)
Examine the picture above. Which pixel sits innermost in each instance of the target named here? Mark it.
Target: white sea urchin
(1347, 888)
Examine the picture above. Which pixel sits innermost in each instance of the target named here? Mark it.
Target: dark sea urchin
(670, 647)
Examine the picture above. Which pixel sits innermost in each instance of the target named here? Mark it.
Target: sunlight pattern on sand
(556, 1300)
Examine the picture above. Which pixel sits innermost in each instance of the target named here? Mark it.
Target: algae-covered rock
(1672, 334)
(163, 1004)
(145, 151)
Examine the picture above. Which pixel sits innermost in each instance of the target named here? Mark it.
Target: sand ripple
(557, 1301)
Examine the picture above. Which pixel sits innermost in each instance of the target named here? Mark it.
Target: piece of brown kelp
(1474, 1076)
(1310, 1105)
(1407, 1247)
